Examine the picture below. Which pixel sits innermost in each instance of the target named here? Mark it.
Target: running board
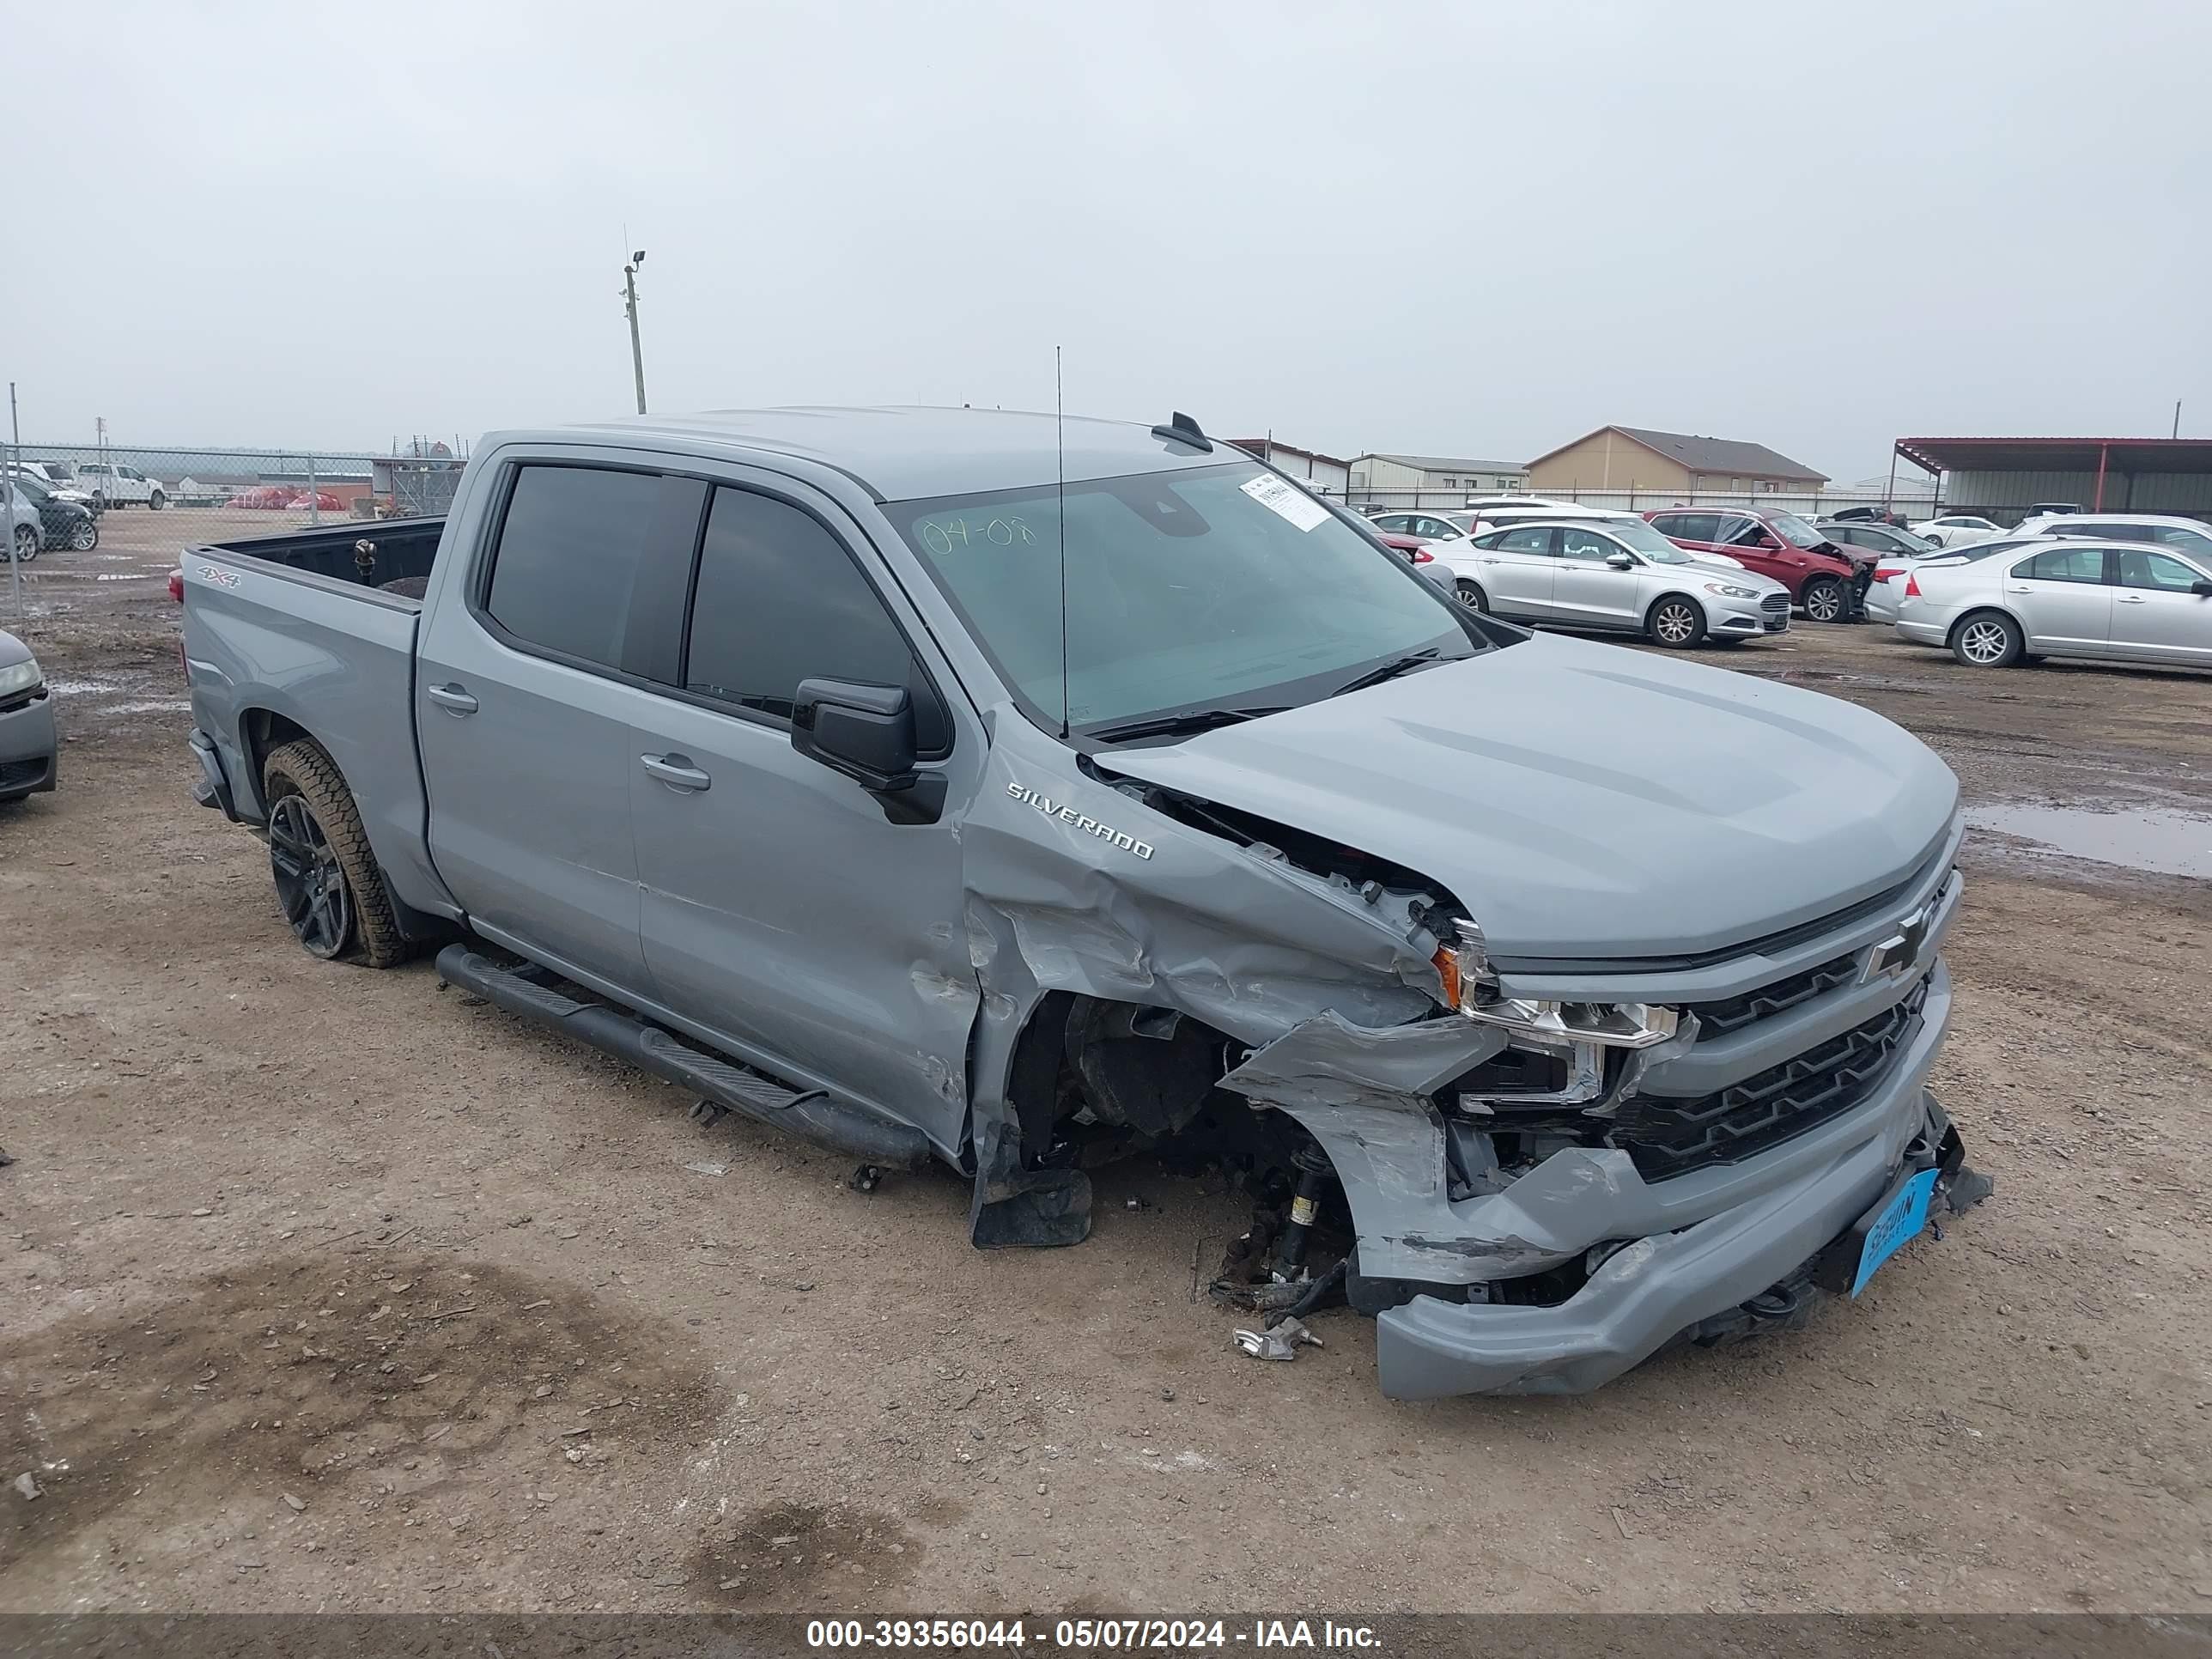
(812, 1115)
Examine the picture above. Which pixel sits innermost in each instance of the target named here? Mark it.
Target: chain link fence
(1824, 504)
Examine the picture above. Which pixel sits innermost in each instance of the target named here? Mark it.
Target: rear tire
(328, 886)
(1675, 622)
(1471, 596)
(28, 543)
(1987, 639)
(1826, 600)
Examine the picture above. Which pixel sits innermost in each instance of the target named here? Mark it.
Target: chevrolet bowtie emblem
(1899, 954)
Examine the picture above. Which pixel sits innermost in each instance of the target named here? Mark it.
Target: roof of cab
(902, 452)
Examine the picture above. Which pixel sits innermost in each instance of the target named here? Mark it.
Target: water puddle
(2164, 842)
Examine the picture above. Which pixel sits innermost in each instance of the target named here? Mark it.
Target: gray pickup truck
(965, 786)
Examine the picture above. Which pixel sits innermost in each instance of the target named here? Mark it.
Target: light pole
(629, 297)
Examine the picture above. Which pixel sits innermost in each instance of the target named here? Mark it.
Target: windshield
(1217, 587)
(1635, 533)
(1795, 531)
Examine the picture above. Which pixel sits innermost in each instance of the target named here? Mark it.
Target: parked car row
(54, 518)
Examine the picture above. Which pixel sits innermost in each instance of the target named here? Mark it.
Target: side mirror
(1621, 560)
(2201, 590)
(865, 732)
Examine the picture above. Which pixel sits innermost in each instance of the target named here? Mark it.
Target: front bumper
(1663, 1286)
(28, 748)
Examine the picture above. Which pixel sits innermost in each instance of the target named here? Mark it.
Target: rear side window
(1530, 538)
(569, 552)
(779, 600)
(2069, 564)
(1689, 526)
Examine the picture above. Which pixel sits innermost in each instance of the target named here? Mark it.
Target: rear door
(1586, 590)
(784, 908)
(527, 686)
(1515, 568)
(1752, 544)
(2062, 600)
(2158, 616)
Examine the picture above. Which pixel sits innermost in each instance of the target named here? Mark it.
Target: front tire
(1988, 639)
(156, 502)
(1471, 596)
(1826, 600)
(328, 886)
(85, 536)
(1675, 622)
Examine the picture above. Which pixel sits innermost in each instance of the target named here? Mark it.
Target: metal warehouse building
(2002, 477)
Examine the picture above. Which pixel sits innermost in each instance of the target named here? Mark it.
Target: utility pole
(629, 298)
(8, 486)
(2177, 413)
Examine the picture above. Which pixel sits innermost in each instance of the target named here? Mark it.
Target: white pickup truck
(113, 484)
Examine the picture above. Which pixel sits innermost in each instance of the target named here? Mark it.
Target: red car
(1823, 580)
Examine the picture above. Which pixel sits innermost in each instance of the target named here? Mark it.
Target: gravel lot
(322, 1288)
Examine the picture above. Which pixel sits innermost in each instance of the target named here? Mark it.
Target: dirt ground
(327, 1289)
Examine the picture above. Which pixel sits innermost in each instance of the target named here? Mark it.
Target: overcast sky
(1458, 228)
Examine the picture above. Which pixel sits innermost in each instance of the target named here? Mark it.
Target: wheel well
(1951, 636)
(266, 731)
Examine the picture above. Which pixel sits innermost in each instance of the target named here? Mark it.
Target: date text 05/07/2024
(1090, 1635)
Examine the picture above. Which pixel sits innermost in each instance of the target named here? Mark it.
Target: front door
(1587, 591)
(1515, 568)
(524, 727)
(2063, 601)
(782, 908)
(2158, 616)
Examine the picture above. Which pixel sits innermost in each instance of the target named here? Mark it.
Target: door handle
(1493, 560)
(454, 699)
(2132, 599)
(677, 772)
(2020, 590)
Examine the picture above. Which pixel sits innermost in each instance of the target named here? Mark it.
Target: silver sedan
(2114, 601)
(1614, 574)
(27, 723)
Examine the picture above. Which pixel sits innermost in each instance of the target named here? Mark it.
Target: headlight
(1471, 987)
(19, 676)
(1729, 591)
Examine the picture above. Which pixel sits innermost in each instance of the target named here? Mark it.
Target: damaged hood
(1583, 801)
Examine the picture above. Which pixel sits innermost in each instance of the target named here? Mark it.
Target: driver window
(1747, 532)
(2156, 570)
(1583, 544)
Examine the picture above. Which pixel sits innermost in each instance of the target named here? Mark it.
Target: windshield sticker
(1284, 502)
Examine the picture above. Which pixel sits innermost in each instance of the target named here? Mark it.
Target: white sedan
(1957, 529)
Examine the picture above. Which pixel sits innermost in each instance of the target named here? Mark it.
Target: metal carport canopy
(2135, 455)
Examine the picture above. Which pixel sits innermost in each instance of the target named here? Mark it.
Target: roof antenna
(1060, 512)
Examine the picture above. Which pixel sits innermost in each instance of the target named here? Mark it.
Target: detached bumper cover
(211, 789)
(28, 746)
(1666, 1286)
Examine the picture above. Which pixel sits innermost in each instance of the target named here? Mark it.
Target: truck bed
(307, 634)
(394, 555)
